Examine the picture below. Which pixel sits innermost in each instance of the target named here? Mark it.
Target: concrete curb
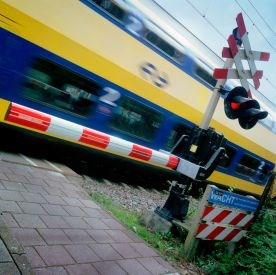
(13, 259)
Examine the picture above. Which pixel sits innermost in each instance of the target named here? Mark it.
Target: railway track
(86, 161)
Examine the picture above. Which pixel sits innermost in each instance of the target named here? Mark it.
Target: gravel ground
(133, 198)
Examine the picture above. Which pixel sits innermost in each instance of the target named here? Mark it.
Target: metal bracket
(197, 172)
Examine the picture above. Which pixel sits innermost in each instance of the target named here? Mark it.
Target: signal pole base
(176, 207)
(155, 222)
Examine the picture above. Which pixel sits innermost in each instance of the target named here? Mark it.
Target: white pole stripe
(235, 74)
(159, 158)
(119, 145)
(64, 128)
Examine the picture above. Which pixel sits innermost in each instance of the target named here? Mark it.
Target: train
(110, 70)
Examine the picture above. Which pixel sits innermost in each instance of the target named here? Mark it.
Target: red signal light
(235, 106)
(247, 110)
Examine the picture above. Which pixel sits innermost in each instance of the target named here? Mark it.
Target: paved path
(61, 230)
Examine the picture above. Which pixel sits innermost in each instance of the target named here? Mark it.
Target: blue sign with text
(219, 196)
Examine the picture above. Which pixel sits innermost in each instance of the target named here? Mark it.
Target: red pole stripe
(29, 118)
(207, 210)
(201, 227)
(215, 233)
(220, 73)
(233, 45)
(264, 56)
(140, 152)
(173, 162)
(248, 223)
(249, 93)
(222, 215)
(256, 82)
(232, 234)
(256, 77)
(94, 138)
(226, 53)
(258, 74)
(241, 25)
(237, 219)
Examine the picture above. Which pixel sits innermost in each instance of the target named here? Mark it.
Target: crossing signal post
(204, 148)
(238, 105)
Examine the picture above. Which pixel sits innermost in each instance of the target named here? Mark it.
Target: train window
(176, 133)
(136, 119)
(205, 76)
(60, 88)
(248, 165)
(230, 153)
(110, 7)
(164, 46)
(160, 43)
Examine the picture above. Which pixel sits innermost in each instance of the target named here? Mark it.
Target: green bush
(255, 255)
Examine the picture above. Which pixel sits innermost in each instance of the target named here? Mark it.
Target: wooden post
(230, 249)
(191, 242)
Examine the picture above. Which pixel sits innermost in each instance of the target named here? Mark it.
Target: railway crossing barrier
(221, 216)
(53, 126)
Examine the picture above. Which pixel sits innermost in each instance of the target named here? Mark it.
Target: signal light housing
(247, 110)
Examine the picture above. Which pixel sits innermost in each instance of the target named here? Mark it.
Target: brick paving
(61, 230)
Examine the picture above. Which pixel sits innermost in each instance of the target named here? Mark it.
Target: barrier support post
(191, 243)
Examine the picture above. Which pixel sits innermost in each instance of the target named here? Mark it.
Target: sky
(212, 21)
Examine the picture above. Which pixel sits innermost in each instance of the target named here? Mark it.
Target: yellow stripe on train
(4, 107)
(236, 183)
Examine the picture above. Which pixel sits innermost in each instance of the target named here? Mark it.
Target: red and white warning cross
(223, 224)
(238, 54)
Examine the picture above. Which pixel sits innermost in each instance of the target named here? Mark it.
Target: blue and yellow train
(108, 66)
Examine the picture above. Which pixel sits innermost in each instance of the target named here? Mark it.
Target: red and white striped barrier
(226, 216)
(219, 232)
(221, 216)
(217, 224)
(35, 120)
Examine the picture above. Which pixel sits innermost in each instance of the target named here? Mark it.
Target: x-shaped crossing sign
(235, 52)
